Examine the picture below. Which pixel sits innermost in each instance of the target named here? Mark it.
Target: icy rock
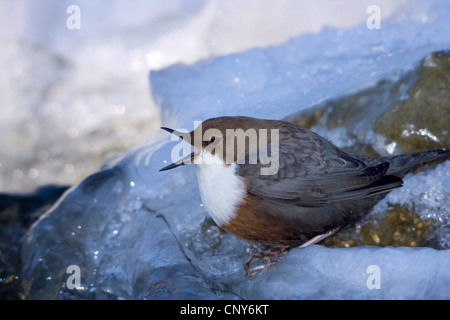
(132, 230)
(278, 81)
(318, 272)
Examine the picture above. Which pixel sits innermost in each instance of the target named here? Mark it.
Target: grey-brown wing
(317, 175)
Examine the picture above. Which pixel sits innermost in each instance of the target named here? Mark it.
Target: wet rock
(421, 121)
(397, 226)
(17, 213)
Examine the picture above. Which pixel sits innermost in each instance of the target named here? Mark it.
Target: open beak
(175, 132)
(186, 160)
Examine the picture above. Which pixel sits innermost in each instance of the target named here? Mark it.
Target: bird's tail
(400, 165)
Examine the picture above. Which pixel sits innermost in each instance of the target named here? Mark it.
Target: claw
(267, 259)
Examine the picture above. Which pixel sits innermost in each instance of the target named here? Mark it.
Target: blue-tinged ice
(144, 240)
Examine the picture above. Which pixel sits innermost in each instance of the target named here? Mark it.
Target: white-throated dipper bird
(287, 185)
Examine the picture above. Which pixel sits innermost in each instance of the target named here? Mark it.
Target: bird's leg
(274, 254)
(318, 238)
(267, 257)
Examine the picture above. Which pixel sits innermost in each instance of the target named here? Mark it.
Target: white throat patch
(221, 189)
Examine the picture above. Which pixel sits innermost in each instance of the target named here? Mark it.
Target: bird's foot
(260, 260)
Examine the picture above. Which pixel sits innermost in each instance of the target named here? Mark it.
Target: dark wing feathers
(316, 176)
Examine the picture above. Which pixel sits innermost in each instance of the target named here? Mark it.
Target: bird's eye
(212, 139)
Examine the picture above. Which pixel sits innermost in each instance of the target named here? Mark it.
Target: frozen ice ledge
(136, 233)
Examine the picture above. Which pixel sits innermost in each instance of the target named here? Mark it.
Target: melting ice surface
(137, 233)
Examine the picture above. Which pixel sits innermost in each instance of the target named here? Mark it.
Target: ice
(322, 273)
(137, 233)
(280, 79)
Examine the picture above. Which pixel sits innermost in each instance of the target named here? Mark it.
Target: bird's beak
(186, 160)
(176, 133)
